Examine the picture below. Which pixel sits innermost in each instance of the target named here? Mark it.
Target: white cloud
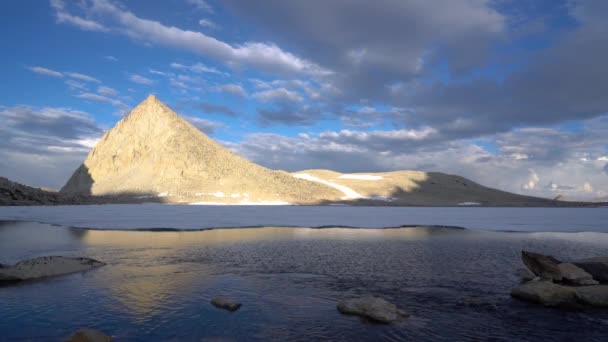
(265, 56)
(141, 79)
(45, 71)
(111, 58)
(234, 89)
(201, 5)
(76, 85)
(198, 68)
(107, 91)
(82, 77)
(206, 126)
(278, 94)
(100, 98)
(63, 16)
(532, 181)
(207, 24)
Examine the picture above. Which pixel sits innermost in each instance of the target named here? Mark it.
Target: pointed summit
(154, 151)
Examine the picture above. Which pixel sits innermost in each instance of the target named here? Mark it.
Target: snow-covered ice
(349, 193)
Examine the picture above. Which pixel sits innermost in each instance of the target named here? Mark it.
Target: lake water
(157, 285)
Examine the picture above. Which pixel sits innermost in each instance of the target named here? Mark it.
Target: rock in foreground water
(89, 335)
(46, 267)
(541, 265)
(226, 303)
(374, 308)
(575, 275)
(596, 295)
(524, 275)
(546, 293)
(597, 267)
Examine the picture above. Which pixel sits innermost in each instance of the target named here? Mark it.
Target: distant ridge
(154, 152)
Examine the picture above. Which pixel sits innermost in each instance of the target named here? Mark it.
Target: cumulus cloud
(606, 169)
(43, 145)
(234, 89)
(101, 98)
(218, 109)
(278, 94)
(265, 56)
(206, 126)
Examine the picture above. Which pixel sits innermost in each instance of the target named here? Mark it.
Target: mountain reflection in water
(157, 285)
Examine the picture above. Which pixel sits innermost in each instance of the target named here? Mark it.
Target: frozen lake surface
(143, 216)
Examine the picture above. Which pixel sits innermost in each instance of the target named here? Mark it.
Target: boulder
(89, 335)
(546, 293)
(543, 266)
(374, 308)
(575, 275)
(46, 267)
(596, 295)
(225, 303)
(524, 275)
(597, 267)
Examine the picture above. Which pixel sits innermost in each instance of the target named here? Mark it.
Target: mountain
(418, 188)
(155, 153)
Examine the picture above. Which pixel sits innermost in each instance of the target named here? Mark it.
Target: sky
(511, 94)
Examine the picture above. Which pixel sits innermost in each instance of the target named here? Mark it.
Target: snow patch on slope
(348, 192)
(361, 177)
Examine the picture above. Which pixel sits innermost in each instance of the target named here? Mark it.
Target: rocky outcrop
(575, 275)
(597, 267)
(546, 267)
(546, 293)
(563, 284)
(46, 267)
(525, 275)
(225, 303)
(596, 295)
(373, 308)
(89, 335)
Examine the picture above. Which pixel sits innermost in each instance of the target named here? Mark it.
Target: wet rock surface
(46, 267)
(373, 308)
(226, 303)
(89, 335)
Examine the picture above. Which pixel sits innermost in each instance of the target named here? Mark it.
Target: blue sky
(508, 93)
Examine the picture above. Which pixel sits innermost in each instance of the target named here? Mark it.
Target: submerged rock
(525, 275)
(575, 275)
(46, 267)
(543, 266)
(596, 295)
(374, 308)
(226, 303)
(89, 335)
(546, 293)
(597, 267)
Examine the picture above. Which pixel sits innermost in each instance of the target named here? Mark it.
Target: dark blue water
(157, 285)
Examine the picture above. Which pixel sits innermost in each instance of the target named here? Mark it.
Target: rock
(225, 303)
(89, 335)
(596, 295)
(543, 266)
(524, 275)
(46, 267)
(546, 293)
(374, 308)
(575, 275)
(597, 267)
